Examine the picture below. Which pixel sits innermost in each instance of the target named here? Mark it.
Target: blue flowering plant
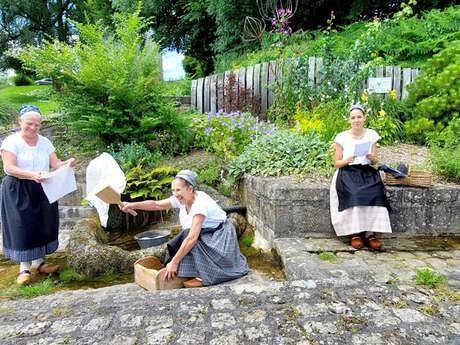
(228, 134)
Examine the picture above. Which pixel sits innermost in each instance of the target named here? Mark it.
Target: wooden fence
(252, 85)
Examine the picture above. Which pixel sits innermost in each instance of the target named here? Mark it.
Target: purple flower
(187, 130)
(233, 123)
(230, 139)
(240, 124)
(207, 131)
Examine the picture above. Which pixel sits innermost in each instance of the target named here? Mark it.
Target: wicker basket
(414, 178)
(149, 273)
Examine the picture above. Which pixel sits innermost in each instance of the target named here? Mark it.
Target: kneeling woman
(357, 195)
(207, 248)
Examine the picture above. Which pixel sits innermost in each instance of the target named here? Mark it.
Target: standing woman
(30, 223)
(359, 207)
(206, 250)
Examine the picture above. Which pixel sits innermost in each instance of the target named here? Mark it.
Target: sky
(172, 65)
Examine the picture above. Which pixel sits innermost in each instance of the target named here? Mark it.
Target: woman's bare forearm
(186, 246)
(20, 173)
(148, 205)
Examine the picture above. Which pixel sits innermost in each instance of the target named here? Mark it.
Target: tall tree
(185, 25)
(28, 22)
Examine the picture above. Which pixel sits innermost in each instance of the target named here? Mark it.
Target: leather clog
(23, 278)
(356, 242)
(193, 283)
(44, 268)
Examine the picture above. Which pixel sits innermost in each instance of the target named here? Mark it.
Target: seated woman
(357, 195)
(207, 247)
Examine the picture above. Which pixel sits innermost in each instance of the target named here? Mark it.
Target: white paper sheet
(59, 183)
(362, 149)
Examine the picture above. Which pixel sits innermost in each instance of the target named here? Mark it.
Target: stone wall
(286, 207)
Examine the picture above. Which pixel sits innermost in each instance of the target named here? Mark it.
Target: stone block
(290, 207)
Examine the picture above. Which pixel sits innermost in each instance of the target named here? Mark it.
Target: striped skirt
(215, 258)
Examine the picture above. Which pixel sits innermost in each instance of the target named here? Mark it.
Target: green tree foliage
(229, 17)
(185, 25)
(111, 85)
(436, 92)
(28, 22)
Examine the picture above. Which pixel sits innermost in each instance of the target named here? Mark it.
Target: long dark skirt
(215, 258)
(360, 185)
(30, 223)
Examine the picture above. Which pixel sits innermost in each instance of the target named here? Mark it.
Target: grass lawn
(178, 87)
(16, 96)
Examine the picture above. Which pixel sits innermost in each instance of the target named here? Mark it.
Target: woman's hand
(350, 159)
(38, 177)
(71, 162)
(372, 158)
(171, 270)
(126, 206)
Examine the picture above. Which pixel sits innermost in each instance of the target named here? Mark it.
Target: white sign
(380, 85)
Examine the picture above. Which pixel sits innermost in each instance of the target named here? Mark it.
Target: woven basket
(414, 178)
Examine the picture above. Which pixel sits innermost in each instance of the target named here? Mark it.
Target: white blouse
(203, 204)
(347, 142)
(32, 158)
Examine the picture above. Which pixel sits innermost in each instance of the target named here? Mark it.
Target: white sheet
(59, 183)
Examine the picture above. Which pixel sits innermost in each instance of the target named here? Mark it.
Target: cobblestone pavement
(360, 298)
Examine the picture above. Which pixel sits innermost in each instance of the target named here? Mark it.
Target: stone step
(305, 259)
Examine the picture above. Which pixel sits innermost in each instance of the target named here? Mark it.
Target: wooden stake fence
(254, 85)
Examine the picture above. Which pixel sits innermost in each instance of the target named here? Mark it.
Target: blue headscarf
(29, 108)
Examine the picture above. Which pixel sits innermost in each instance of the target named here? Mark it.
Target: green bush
(211, 173)
(384, 116)
(129, 155)
(193, 68)
(21, 79)
(417, 129)
(8, 115)
(111, 85)
(435, 94)
(327, 119)
(149, 183)
(445, 150)
(228, 134)
(283, 153)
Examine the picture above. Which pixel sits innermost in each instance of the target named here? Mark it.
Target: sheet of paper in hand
(362, 149)
(59, 183)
